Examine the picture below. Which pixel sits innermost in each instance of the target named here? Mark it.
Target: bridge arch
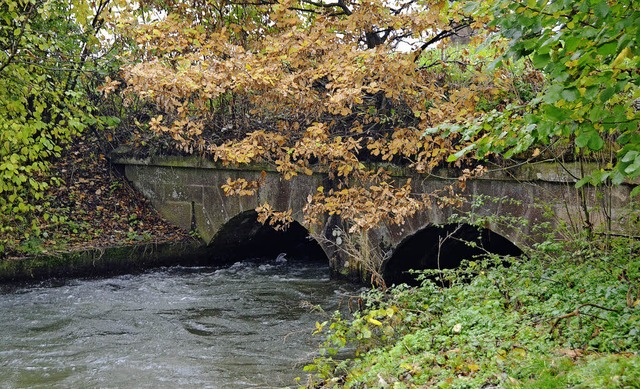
(442, 247)
(243, 237)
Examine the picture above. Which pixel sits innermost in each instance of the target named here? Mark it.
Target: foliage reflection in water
(247, 325)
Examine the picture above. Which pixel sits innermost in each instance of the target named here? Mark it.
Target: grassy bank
(564, 316)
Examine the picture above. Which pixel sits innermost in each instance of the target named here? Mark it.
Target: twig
(576, 312)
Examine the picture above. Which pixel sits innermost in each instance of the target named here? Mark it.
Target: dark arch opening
(443, 247)
(243, 237)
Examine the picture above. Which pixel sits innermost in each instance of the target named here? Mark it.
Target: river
(242, 326)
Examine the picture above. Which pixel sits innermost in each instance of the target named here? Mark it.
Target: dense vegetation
(50, 57)
(566, 316)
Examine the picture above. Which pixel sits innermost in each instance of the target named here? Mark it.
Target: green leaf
(595, 142)
(555, 113)
(540, 60)
(609, 48)
(601, 9)
(630, 156)
(590, 139)
(583, 181)
(633, 169)
(607, 94)
(454, 157)
(570, 94)
(553, 93)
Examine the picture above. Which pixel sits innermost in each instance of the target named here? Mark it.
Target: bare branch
(440, 36)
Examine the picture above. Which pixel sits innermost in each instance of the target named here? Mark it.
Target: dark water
(247, 325)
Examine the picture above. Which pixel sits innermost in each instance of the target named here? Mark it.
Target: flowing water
(246, 325)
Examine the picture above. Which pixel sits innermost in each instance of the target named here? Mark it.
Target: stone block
(206, 225)
(176, 212)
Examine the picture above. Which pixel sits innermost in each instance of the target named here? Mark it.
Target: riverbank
(103, 261)
(566, 315)
(91, 209)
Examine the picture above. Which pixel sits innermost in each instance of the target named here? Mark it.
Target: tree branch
(16, 41)
(576, 312)
(440, 36)
(322, 4)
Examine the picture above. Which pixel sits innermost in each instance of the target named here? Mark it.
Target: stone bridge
(516, 201)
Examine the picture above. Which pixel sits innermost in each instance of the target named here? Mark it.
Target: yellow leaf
(374, 322)
(626, 52)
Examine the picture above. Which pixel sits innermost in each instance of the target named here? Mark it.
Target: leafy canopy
(298, 83)
(588, 51)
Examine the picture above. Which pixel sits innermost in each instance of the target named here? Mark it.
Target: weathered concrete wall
(536, 193)
(102, 261)
(191, 196)
(187, 192)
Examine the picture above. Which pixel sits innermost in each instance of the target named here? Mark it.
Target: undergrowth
(559, 317)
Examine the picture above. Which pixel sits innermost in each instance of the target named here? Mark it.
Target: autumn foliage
(305, 85)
